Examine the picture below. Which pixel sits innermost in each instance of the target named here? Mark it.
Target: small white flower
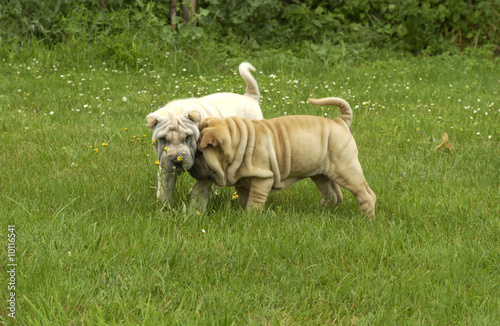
(203, 230)
(69, 253)
(51, 112)
(124, 99)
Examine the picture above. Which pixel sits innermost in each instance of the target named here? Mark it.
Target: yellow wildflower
(198, 213)
(165, 149)
(154, 141)
(104, 144)
(179, 158)
(143, 135)
(126, 129)
(157, 162)
(96, 150)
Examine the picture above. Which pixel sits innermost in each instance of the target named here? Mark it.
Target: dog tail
(252, 87)
(345, 108)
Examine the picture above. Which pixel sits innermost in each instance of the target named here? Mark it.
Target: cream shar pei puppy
(258, 157)
(175, 133)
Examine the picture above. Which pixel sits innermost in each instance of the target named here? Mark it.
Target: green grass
(94, 248)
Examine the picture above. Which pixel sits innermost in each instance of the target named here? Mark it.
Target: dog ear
(205, 123)
(210, 137)
(152, 120)
(194, 116)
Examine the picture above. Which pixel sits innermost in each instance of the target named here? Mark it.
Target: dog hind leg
(352, 179)
(329, 189)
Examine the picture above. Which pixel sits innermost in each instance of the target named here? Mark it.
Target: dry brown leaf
(445, 144)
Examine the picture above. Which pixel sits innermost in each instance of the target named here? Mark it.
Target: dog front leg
(199, 194)
(166, 185)
(258, 193)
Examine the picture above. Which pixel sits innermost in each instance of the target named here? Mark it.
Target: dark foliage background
(429, 26)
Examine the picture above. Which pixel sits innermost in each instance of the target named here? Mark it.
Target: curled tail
(252, 87)
(345, 108)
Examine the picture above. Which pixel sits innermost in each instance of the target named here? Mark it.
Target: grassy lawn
(93, 247)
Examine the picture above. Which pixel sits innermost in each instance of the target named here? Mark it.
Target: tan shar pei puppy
(175, 134)
(260, 156)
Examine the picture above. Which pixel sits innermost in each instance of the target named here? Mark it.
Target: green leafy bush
(416, 26)
(429, 26)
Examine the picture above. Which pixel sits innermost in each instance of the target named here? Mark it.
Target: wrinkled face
(174, 140)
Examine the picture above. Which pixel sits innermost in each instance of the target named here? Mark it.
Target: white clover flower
(124, 99)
